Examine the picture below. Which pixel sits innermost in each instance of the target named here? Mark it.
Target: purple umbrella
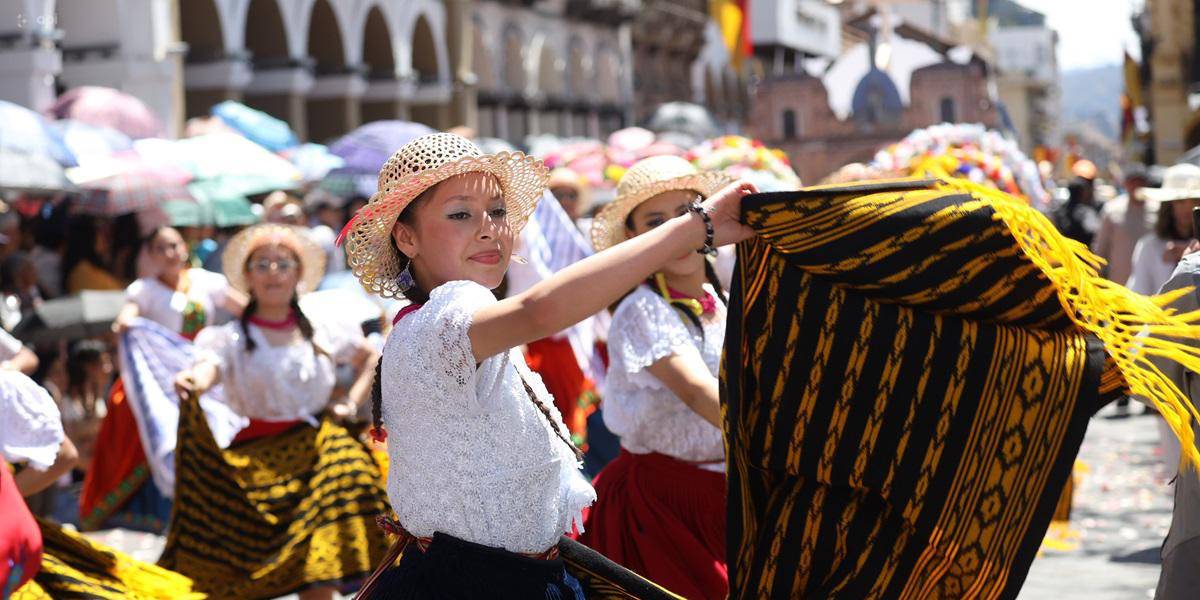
(365, 149)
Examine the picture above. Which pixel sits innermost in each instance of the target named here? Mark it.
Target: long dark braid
(550, 419)
(245, 321)
(377, 400)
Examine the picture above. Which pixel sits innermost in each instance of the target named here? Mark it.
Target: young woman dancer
(290, 506)
(660, 509)
(483, 476)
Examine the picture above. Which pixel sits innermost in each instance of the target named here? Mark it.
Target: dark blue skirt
(452, 568)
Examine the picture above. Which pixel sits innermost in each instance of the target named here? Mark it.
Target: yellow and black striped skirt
(274, 515)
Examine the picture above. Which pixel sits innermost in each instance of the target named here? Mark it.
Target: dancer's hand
(185, 384)
(725, 208)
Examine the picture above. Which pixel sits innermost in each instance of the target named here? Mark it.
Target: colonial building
(1173, 88)
(893, 78)
(507, 68)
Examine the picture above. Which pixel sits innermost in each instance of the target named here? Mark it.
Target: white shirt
(9, 345)
(30, 426)
(292, 382)
(166, 306)
(641, 409)
(1150, 271)
(471, 455)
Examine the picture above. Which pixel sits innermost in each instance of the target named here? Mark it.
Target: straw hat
(1180, 182)
(416, 167)
(644, 180)
(312, 258)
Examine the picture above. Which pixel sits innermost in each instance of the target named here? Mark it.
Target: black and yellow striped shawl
(907, 380)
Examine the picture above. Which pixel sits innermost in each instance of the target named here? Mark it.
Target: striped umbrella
(130, 192)
(107, 107)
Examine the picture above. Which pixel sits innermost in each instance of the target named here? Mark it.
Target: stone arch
(377, 51)
(579, 67)
(426, 64)
(549, 72)
(201, 28)
(325, 39)
(483, 57)
(269, 42)
(513, 63)
(608, 73)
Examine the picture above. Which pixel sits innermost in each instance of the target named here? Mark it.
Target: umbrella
(258, 127)
(313, 160)
(87, 314)
(24, 131)
(219, 205)
(131, 192)
(21, 171)
(365, 149)
(683, 117)
(87, 141)
(107, 107)
(220, 155)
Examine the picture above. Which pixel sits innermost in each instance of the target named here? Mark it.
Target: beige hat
(310, 255)
(1180, 182)
(647, 179)
(416, 167)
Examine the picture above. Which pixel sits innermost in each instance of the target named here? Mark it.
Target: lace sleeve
(216, 344)
(434, 342)
(645, 329)
(30, 424)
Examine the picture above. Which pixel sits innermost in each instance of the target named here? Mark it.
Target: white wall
(811, 26)
(1026, 50)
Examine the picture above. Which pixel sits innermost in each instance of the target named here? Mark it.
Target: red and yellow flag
(733, 19)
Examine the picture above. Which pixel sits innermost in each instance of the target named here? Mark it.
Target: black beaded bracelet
(708, 249)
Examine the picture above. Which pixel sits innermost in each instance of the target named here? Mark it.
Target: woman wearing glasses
(290, 506)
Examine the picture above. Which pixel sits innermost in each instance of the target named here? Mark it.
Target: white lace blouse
(637, 406)
(471, 455)
(30, 426)
(278, 383)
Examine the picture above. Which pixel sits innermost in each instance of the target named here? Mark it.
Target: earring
(405, 280)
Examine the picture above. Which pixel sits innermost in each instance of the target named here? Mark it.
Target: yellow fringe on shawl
(74, 566)
(1132, 327)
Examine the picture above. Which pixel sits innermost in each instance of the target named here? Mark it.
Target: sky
(1090, 32)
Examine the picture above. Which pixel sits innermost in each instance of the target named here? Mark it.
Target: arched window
(946, 110)
(789, 124)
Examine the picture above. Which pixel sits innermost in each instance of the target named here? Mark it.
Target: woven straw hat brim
(370, 252)
(608, 228)
(1169, 194)
(310, 255)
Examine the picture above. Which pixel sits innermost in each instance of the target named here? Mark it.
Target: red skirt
(574, 392)
(664, 519)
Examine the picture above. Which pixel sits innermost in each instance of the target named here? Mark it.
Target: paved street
(1122, 512)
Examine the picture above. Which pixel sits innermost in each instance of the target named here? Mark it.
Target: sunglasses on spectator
(266, 265)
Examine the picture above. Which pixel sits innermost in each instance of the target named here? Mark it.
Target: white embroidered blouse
(638, 407)
(291, 382)
(471, 456)
(30, 426)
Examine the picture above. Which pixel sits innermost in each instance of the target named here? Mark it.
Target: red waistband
(260, 429)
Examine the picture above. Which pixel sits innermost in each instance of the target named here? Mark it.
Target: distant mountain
(1093, 96)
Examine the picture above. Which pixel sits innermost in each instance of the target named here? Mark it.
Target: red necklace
(287, 323)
